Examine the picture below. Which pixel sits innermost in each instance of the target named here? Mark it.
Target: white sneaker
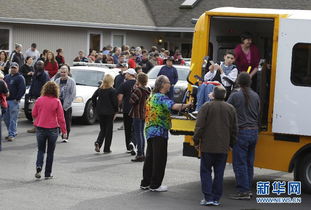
(65, 140)
(159, 189)
(133, 148)
(195, 112)
(203, 202)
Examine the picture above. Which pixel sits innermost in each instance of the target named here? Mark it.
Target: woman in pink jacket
(49, 116)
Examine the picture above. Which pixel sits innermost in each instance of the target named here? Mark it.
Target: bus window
(301, 64)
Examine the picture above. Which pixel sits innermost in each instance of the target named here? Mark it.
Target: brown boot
(33, 130)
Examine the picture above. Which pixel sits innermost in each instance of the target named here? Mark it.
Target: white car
(87, 78)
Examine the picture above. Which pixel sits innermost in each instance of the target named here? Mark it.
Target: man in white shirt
(33, 52)
(224, 74)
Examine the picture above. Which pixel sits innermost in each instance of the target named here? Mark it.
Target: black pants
(106, 127)
(254, 83)
(128, 129)
(68, 119)
(155, 162)
(228, 92)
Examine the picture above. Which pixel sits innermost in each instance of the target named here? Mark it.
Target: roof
(112, 14)
(93, 11)
(142, 15)
(163, 15)
(304, 14)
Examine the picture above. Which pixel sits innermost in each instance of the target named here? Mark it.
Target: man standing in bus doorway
(215, 133)
(246, 102)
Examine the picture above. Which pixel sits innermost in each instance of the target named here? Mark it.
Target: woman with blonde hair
(49, 116)
(105, 103)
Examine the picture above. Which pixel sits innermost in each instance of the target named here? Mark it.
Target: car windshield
(182, 72)
(87, 77)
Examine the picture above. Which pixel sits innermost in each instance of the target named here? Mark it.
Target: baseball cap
(14, 64)
(130, 71)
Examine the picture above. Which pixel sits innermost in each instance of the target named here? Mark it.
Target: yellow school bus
(284, 82)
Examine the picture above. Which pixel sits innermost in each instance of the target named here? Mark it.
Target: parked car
(87, 78)
(181, 86)
(187, 61)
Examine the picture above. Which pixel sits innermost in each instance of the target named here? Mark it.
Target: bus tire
(303, 173)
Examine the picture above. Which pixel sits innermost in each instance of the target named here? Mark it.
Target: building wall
(70, 39)
(73, 39)
(146, 39)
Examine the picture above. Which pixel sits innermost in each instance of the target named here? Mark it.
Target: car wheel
(28, 108)
(28, 115)
(89, 115)
(303, 173)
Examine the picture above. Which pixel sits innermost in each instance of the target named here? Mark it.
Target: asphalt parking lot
(84, 179)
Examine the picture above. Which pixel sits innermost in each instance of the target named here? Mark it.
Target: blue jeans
(212, 190)
(10, 117)
(202, 95)
(49, 136)
(139, 125)
(243, 159)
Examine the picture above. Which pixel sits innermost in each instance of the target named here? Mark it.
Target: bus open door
(284, 82)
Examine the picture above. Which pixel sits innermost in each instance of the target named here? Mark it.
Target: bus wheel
(303, 173)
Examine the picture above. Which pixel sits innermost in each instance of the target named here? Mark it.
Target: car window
(182, 72)
(153, 73)
(87, 77)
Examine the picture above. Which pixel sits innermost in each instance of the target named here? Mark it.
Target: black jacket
(118, 80)
(38, 80)
(105, 101)
(18, 58)
(24, 70)
(146, 65)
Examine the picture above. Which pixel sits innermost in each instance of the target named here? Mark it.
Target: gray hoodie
(69, 92)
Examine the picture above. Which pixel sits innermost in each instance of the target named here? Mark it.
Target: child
(138, 99)
(224, 74)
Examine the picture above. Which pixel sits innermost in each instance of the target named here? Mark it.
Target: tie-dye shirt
(158, 117)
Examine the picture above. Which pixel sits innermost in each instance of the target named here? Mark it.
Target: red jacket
(48, 113)
(51, 68)
(132, 63)
(159, 61)
(241, 60)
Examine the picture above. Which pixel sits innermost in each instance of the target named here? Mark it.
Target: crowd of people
(220, 125)
(127, 92)
(137, 58)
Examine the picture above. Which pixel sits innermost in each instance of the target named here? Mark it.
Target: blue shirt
(170, 72)
(17, 86)
(115, 59)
